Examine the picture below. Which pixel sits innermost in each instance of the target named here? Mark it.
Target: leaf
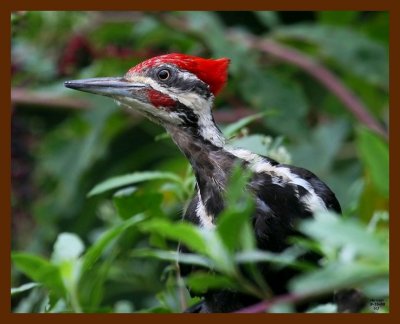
(131, 202)
(325, 308)
(95, 251)
(353, 51)
(68, 247)
(264, 145)
(305, 152)
(201, 282)
(203, 24)
(186, 233)
(268, 18)
(162, 136)
(208, 23)
(333, 231)
(129, 179)
(378, 288)
(336, 276)
(30, 303)
(255, 143)
(69, 151)
(198, 240)
(155, 310)
(374, 153)
(236, 215)
(24, 287)
(269, 92)
(233, 221)
(173, 256)
(233, 128)
(40, 270)
(263, 256)
(338, 17)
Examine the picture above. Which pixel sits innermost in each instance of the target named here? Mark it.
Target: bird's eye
(164, 75)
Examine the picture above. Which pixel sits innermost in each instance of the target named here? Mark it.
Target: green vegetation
(98, 192)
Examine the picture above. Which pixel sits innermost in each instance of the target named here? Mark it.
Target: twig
(265, 305)
(323, 75)
(22, 96)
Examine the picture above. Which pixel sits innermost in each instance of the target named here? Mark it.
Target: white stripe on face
(199, 105)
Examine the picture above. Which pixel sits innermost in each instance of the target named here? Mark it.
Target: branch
(324, 76)
(24, 97)
(265, 305)
(290, 55)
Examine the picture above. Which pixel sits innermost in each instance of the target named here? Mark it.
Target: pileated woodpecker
(177, 91)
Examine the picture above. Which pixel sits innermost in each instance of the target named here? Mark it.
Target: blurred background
(319, 81)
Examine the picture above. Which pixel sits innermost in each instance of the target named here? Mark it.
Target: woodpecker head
(172, 89)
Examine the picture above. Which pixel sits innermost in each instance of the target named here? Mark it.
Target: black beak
(110, 87)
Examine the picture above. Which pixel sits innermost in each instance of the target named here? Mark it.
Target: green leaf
(129, 179)
(67, 153)
(336, 275)
(315, 145)
(30, 303)
(23, 288)
(155, 310)
(186, 233)
(203, 24)
(201, 282)
(95, 251)
(353, 51)
(199, 240)
(162, 136)
(269, 92)
(236, 216)
(338, 17)
(237, 197)
(208, 23)
(173, 256)
(230, 222)
(374, 153)
(268, 18)
(264, 256)
(132, 201)
(255, 143)
(40, 270)
(233, 128)
(334, 231)
(378, 288)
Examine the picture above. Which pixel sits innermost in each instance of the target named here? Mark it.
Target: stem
(249, 287)
(265, 305)
(181, 285)
(292, 298)
(75, 300)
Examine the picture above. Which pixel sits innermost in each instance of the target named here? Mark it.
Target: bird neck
(209, 159)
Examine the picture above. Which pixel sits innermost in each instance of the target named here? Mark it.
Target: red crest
(211, 71)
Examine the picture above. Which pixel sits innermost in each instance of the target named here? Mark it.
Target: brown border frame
(5, 185)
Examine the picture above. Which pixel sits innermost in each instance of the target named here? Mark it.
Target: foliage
(98, 193)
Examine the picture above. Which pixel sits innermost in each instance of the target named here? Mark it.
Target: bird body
(177, 92)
